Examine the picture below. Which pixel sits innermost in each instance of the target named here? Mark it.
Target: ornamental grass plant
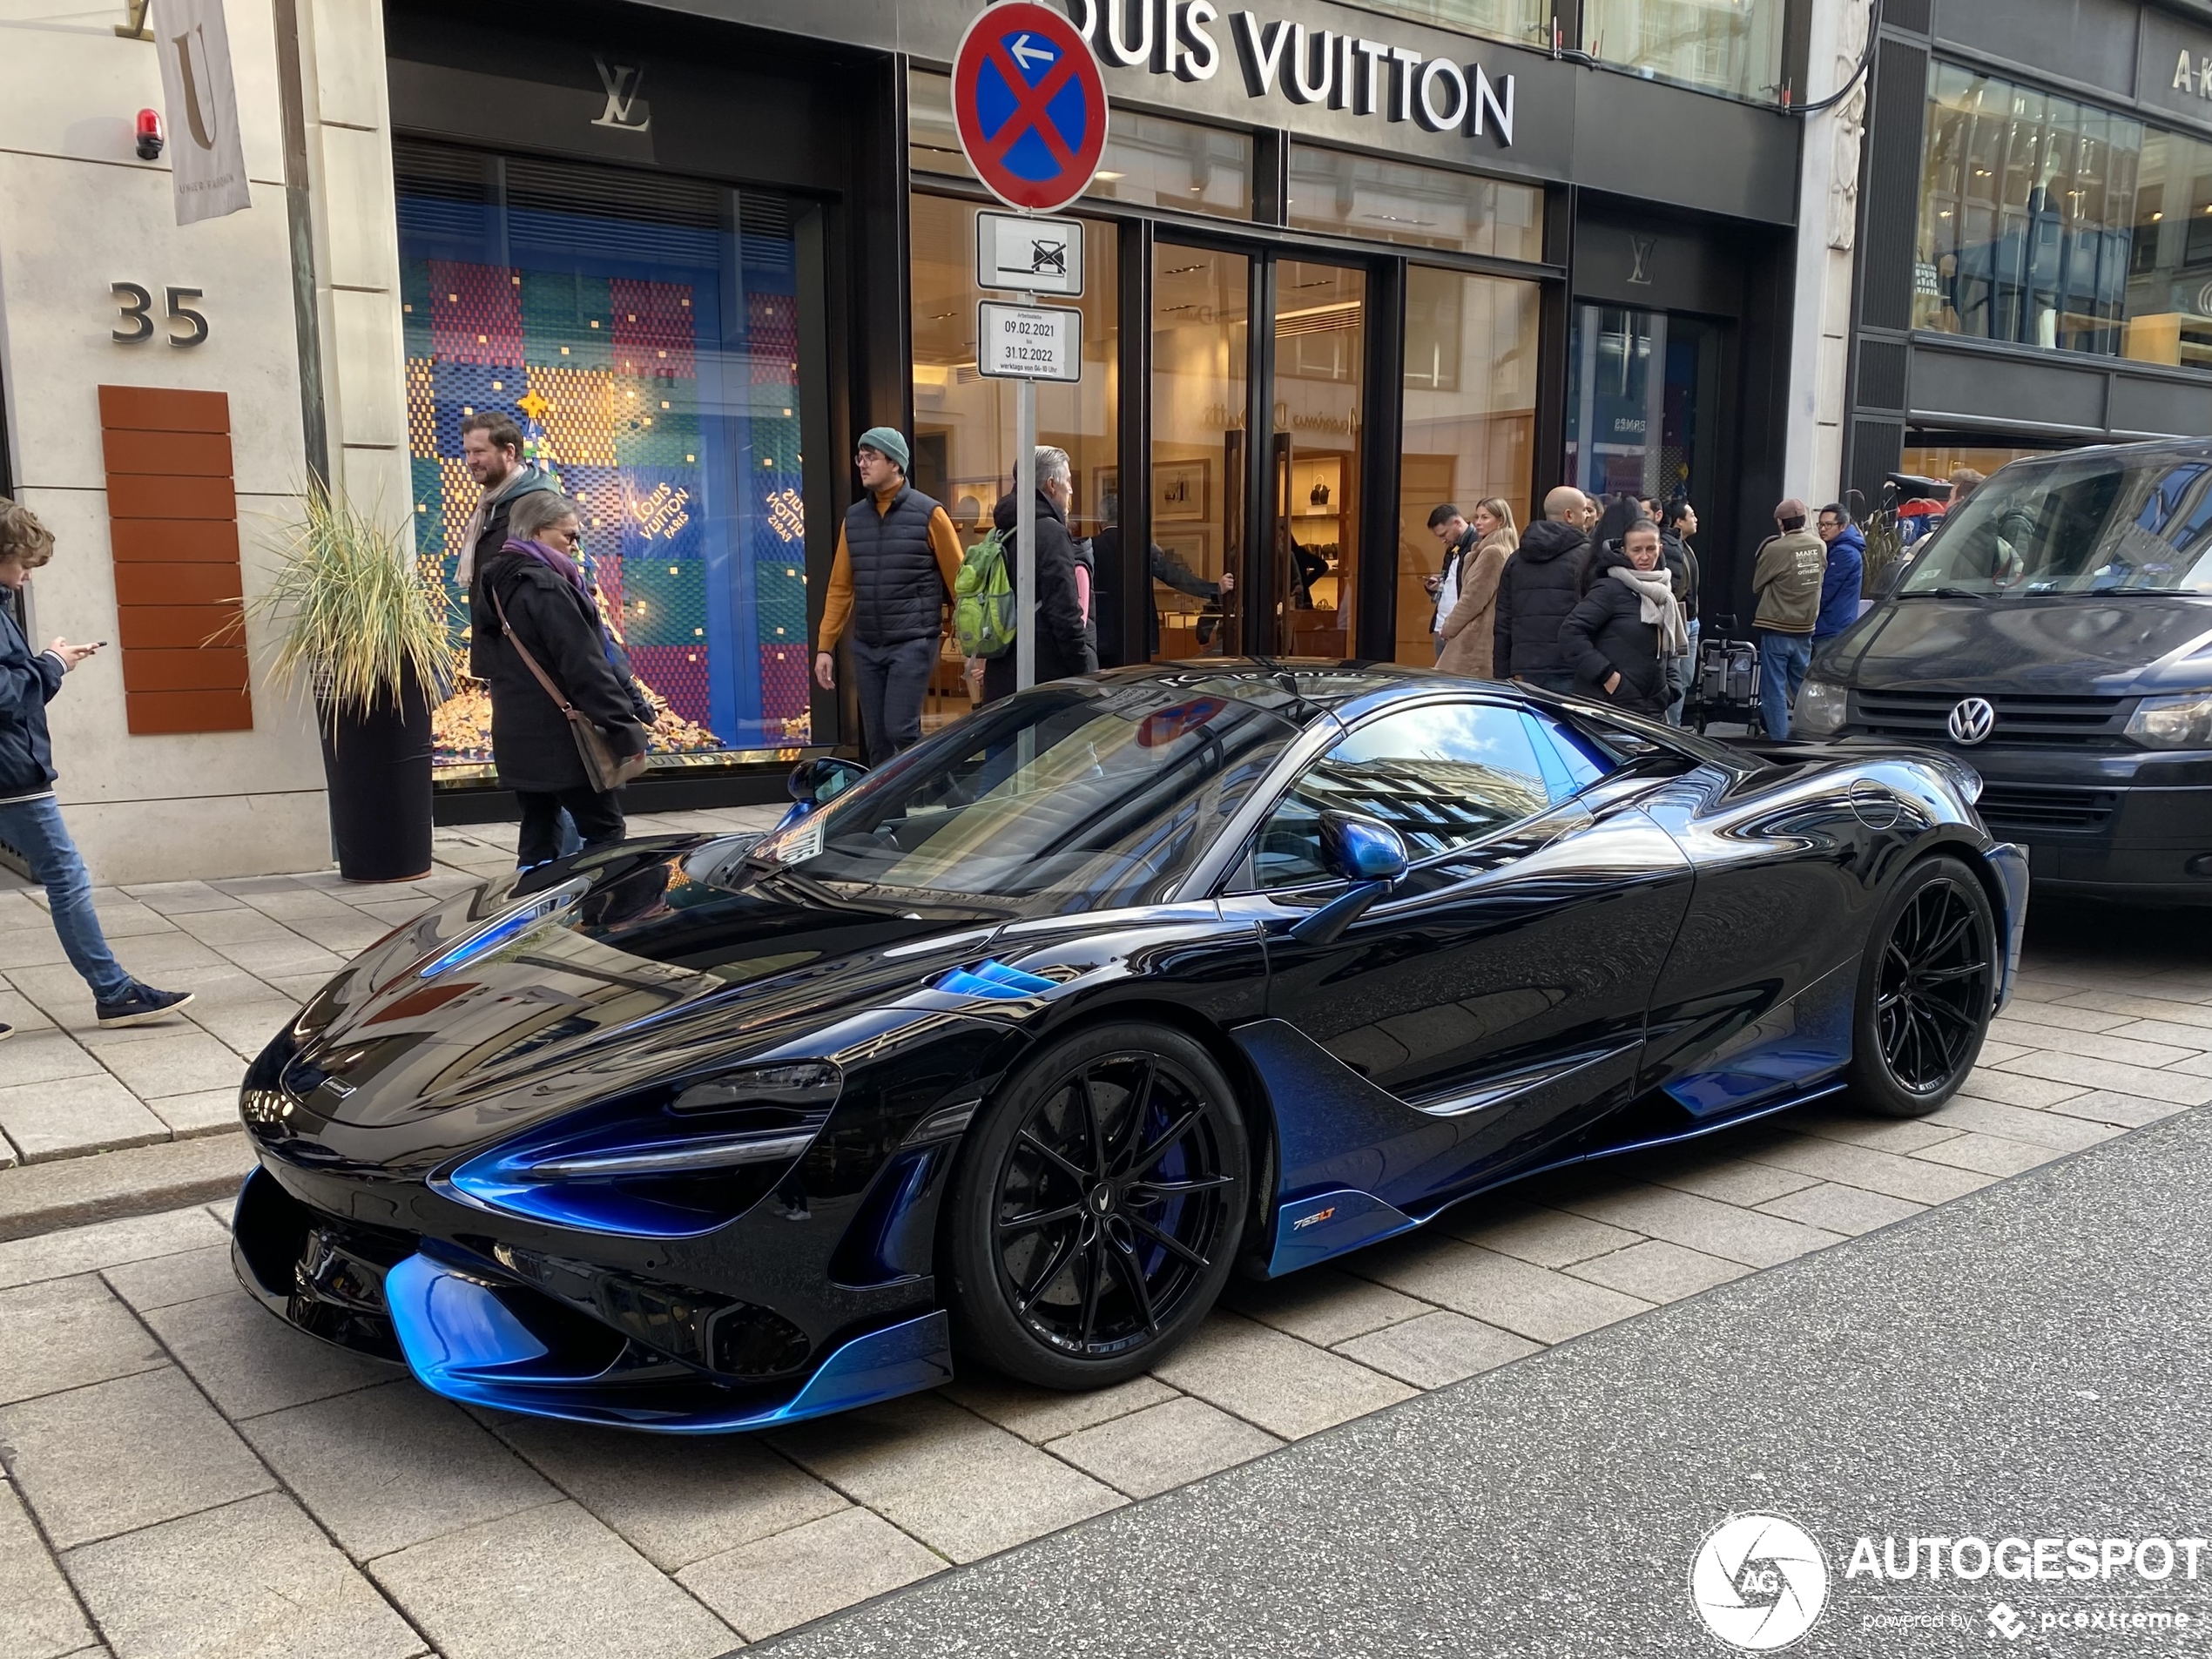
(354, 619)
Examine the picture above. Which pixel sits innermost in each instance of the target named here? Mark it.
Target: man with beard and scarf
(1541, 584)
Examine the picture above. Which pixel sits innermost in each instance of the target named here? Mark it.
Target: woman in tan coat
(1465, 632)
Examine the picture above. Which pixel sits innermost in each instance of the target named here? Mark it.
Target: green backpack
(983, 600)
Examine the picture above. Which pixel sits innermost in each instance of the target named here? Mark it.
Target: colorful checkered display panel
(648, 347)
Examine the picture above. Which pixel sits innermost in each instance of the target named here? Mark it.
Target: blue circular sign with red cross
(1030, 105)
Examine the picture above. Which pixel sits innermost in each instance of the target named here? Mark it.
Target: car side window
(1571, 762)
(1443, 775)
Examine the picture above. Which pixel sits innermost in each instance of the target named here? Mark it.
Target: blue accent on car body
(503, 930)
(461, 1341)
(995, 981)
(1803, 1042)
(2010, 863)
(1329, 1224)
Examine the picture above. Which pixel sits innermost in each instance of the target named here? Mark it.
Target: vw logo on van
(1971, 720)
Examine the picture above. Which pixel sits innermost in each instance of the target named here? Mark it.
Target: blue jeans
(35, 829)
(1686, 670)
(892, 680)
(1783, 661)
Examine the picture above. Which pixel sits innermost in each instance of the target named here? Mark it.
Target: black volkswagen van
(2056, 635)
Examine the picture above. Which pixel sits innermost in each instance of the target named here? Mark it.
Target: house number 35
(186, 326)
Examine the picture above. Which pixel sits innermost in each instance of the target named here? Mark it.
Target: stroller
(1724, 685)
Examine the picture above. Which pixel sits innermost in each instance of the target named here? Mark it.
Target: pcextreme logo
(1758, 1582)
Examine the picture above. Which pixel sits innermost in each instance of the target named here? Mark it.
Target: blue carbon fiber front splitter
(461, 1342)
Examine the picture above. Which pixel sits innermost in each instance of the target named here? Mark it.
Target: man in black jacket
(1541, 583)
(30, 822)
(1063, 646)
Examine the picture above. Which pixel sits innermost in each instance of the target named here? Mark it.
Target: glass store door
(1205, 579)
(1320, 357)
(1640, 402)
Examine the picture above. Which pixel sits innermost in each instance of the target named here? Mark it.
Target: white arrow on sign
(1023, 52)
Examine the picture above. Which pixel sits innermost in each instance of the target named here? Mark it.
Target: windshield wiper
(1944, 593)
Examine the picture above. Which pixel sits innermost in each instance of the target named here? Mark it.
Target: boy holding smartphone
(31, 821)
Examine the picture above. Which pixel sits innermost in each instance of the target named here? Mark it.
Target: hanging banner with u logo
(207, 160)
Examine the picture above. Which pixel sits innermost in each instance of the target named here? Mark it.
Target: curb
(71, 1192)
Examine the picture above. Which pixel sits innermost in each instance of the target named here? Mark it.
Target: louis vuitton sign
(1195, 40)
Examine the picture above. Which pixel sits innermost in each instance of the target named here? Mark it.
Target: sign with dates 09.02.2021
(1030, 342)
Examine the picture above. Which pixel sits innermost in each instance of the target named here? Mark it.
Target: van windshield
(2105, 523)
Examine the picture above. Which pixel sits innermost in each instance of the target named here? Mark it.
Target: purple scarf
(554, 560)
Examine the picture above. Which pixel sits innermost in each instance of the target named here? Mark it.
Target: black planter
(378, 766)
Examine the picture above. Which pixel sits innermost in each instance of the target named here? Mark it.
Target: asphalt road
(2033, 1361)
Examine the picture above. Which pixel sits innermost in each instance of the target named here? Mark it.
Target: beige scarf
(1660, 606)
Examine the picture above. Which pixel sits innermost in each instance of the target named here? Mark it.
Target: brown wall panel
(177, 627)
(176, 584)
(152, 408)
(134, 495)
(164, 541)
(203, 668)
(164, 713)
(172, 530)
(200, 455)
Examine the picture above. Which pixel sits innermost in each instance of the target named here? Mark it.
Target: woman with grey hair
(532, 592)
(1063, 644)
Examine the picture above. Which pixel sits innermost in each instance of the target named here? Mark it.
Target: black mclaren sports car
(1017, 1046)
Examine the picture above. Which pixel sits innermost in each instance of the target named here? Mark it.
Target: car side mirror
(819, 781)
(1363, 849)
(1368, 853)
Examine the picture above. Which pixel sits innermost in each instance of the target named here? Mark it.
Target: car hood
(2060, 646)
(519, 1000)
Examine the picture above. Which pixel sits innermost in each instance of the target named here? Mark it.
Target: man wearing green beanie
(898, 557)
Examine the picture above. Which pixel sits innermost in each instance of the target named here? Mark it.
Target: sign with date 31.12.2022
(1030, 342)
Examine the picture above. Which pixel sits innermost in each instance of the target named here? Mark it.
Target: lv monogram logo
(622, 82)
(1640, 252)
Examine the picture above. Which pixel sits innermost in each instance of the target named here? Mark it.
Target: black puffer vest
(898, 593)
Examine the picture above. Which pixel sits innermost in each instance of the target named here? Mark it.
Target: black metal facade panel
(1657, 264)
(1877, 446)
(1612, 131)
(1912, 15)
(2140, 405)
(2088, 43)
(1891, 197)
(543, 89)
(2027, 393)
(1882, 374)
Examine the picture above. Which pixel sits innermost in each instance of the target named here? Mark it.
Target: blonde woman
(1467, 631)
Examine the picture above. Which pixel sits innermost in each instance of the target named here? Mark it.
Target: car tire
(1097, 1207)
(1926, 991)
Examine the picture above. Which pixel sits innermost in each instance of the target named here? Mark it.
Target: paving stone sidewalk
(186, 1475)
(250, 950)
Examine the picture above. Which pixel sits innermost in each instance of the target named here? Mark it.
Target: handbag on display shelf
(603, 769)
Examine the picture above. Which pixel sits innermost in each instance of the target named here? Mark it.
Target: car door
(1500, 992)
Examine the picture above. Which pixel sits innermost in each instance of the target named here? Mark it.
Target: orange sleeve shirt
(837, 603)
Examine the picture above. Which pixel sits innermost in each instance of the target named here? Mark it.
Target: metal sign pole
(1025, 529)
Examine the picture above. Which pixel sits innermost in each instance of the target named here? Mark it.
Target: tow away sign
(1029, 342)
(1029, 255)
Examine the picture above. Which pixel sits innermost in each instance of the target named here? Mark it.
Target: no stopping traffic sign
(1030, 105)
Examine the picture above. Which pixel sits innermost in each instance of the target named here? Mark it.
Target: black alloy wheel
(1926, 991)
(1098, 1207)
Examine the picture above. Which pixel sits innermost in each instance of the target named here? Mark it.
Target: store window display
(643, 331)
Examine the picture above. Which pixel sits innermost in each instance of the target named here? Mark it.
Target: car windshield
(1076, 796)
(2099, 524)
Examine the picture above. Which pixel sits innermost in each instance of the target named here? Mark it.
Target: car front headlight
(1822, 707)
(2183, 722)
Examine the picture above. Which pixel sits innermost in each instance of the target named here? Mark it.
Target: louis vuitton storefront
(1341, 266)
